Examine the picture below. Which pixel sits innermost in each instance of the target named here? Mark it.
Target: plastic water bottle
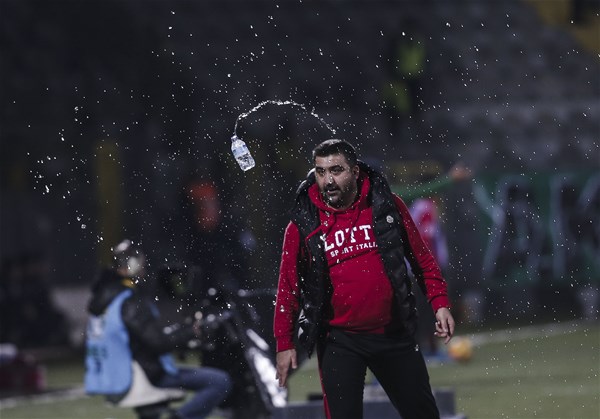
(241, 153)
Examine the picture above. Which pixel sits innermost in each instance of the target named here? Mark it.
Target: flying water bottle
(241, 153)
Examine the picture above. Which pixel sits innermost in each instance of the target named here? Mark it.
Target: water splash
(281, 103)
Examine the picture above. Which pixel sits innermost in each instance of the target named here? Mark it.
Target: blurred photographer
(120, 313)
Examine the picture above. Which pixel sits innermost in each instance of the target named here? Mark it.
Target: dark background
(109, 107)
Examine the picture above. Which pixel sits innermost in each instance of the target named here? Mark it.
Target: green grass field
(529, 373)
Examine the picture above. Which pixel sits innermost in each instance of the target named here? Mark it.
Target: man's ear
(356, 171)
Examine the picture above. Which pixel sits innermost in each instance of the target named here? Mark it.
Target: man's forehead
(330, 160)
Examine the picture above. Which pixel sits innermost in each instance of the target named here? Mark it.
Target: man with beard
(343, 280)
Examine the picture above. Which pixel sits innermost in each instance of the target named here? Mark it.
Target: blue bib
(108, 357)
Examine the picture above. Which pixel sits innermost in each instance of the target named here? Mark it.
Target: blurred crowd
(29, 315)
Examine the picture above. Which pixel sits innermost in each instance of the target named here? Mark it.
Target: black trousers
(396, 362)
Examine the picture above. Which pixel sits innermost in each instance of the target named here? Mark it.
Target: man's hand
(285, 360)
(444, 325)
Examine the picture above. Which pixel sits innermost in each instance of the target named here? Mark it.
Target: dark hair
(334, 146)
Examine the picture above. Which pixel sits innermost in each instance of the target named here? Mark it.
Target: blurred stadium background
(108, 108)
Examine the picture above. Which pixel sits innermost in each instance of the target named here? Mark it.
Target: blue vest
(108, 356)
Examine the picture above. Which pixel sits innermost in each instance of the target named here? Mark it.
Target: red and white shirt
(362, 293)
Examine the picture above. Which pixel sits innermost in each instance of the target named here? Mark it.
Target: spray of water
(280, 103)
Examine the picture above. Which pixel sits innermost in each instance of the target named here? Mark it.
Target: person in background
(426, 210)
(116, 304)
(216, 245)
(407, 65)
(344, 281)
(433, 185)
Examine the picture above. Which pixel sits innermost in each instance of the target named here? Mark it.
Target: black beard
(326, 197)
(339, 203)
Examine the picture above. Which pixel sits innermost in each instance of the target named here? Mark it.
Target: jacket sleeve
(287, 301)
(423, 264)
(144, 325)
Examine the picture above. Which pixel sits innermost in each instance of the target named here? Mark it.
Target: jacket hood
(106, 288)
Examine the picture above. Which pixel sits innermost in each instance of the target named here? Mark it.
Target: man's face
(337, 181)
